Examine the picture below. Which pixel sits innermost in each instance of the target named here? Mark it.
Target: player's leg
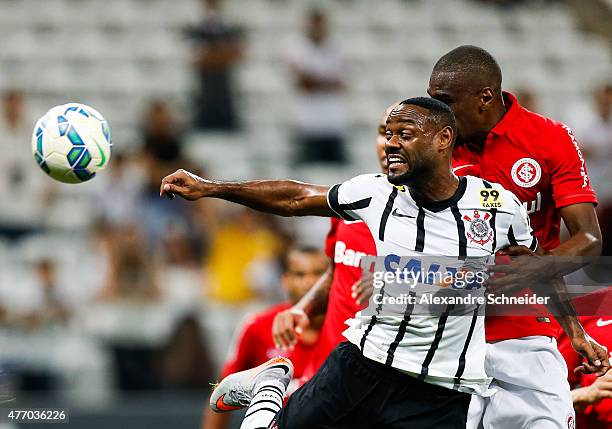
(327, 400)
(531, 378)
(351, 391)
(261, 389)
(406, 402)
(337, 396)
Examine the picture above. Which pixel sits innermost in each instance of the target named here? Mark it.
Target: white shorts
(530, 377)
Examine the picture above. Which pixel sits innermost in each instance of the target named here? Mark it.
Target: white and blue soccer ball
(72, 142)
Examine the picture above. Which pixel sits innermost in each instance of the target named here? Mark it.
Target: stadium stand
(119, 55)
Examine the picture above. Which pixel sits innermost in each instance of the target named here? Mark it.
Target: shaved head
(469, 80)
(471, 65)
(439, 114)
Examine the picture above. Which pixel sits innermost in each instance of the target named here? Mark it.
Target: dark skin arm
(560, 306)
(585, 241)
(583, 226)
(279, 197)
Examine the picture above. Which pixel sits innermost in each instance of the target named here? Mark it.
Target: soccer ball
(71, 143)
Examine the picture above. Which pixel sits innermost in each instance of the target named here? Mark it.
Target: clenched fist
(183, 183)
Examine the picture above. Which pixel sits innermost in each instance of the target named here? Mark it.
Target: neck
(496, 114)
(491, 119)
(439, 186)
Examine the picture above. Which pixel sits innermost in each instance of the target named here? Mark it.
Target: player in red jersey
(342, 292)
(540, 161)
(254, 345)
(593, 399)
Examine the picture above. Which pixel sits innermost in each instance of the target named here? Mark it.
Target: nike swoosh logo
(398, 214)
(224, 407)
(102, 156)
(283, 367)
(602, 323)
(462, 166)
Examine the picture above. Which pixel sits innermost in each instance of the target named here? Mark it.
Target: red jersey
(346, 243)
(598, 416)
(539, 160)
(254, 345)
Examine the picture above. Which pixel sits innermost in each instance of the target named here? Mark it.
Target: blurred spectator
(162, 138)
(52, 309)
(39, 302)
(219, 49)
(528, 99)
(595, 136)
(20, 179)
(594, 132)
(504, 3)
(180, 248)
(242, 249)
(131, 272)
(318, 73)
(121, 188)
(184, 362)
(15, 136)
(48, 306)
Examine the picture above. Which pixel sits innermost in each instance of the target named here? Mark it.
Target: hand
(525, 270)
(596, 356)
(600, 389)
(183, 183)
(362, 290)
(287, 326)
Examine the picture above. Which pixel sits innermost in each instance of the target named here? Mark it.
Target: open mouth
(393, 160)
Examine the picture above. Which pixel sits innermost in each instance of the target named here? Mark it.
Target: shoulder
(547, 130)
(262, 319)
(370, 178)
(363, 183)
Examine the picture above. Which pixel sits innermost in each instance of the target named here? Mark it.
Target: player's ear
(444, 138)
(487, 96)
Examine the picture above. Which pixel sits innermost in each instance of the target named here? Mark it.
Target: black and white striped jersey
(478, 220)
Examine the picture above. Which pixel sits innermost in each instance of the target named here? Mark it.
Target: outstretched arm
(280, 197)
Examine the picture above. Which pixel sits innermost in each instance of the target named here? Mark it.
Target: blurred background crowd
(113, 300)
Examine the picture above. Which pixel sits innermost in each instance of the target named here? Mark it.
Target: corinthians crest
(479, 231)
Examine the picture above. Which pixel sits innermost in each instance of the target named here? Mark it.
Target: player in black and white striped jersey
(420, 207)
(440, 349)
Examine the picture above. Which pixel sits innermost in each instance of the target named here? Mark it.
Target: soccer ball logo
(526, 172)
(71, 143)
